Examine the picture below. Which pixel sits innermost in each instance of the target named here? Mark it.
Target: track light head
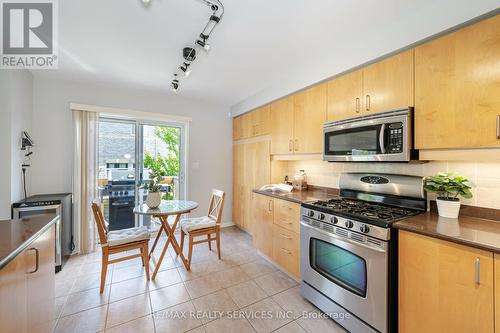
(175, 84)
(203, 44)
(189, 54)
(146, 2)
(185, 69)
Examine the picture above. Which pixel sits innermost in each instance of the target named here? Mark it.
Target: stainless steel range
(348, 261)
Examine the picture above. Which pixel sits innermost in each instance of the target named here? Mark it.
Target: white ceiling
(261, 49)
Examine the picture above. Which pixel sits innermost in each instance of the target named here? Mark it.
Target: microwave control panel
(395, 138)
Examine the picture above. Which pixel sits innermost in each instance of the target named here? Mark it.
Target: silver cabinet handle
(286, 251)
(478, 271)
(285, 236)
(367, 99)
(498, 127)
(381, 139)
(37, 260)
(296, 145)
(290, 144)
(269, 207)
(357, 105)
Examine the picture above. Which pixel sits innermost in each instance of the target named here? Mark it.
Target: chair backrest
(216, 205)
(100, 222)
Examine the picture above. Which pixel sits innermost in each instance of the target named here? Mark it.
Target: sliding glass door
(128, 151)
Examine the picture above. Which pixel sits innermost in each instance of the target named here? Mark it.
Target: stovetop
(364, 211)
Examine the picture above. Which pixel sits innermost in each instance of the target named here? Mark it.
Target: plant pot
(153, 200)
(448, 208)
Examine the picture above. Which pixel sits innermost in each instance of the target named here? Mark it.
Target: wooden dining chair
(205, 226)
(118, 241)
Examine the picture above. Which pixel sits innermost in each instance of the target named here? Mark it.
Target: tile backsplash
(485, 177)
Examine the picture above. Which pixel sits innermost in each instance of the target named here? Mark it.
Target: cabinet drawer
(287, 215)
(286, 249)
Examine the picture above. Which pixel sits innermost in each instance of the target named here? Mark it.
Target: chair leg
(142, 257)
(217, 235)
(182, 239)
(145, 258)
(190, 251)
(209, 242)
(104, 268)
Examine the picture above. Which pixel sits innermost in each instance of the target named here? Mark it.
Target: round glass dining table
(167, 208)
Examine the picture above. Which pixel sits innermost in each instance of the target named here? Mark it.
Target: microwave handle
(381, 138)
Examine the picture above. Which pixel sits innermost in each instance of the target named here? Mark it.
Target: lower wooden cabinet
(27, 295)
(276, 231)
(497, 291)
(444, 286)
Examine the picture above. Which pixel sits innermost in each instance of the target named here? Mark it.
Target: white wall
(16, 103)
(209, 135)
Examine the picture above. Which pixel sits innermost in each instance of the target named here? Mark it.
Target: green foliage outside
(165, 166)
(448, 186)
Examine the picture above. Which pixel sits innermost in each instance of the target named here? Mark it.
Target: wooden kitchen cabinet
(286, 249)
(282, 126)
(388, 84)
(238, 182)
(263, 208)
(261, 120)
(252, 124)
(497, 291)
(247, 128)
(27, 295)
(309, 115)
(287, 215)
(345, 95)
(457, 84)
(237, 129)
(444, 286)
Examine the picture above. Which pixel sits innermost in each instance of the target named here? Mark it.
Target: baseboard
(226, 224)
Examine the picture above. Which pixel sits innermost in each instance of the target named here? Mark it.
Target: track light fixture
(189, 53)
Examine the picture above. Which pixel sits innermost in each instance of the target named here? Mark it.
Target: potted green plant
(449, 187)
(154, 186)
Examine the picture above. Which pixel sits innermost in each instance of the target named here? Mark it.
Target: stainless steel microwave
(381, 137)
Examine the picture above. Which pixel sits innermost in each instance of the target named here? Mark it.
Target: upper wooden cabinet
(345, 96)
(309, 112)
(443, 286)
(383, 86)
(388, 84)
(282, 126)
(251, 124)
(457, 85)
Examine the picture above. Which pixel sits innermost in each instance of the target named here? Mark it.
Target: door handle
(290, 145)
(296, 145)
(381, 138)
(367, 100)
(37, 257)
(498, 127)
(478, 271)
(269, 205)
(285, 236)
(286, 251)
(357, 105)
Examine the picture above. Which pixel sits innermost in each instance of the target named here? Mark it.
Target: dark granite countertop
(472, 231)
(313, 193)
(17, 235)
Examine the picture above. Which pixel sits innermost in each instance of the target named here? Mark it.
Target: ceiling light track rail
(189, 52)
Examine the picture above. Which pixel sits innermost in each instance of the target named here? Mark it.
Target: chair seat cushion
(196, 223)
(119, 237)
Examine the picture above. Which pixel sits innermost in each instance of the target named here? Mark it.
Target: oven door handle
(347, 240)
(381, 138)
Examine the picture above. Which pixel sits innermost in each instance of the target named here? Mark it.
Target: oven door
(352, 274)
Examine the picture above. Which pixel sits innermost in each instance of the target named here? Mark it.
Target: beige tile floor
(240, 293)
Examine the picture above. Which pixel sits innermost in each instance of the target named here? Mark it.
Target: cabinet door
(282, 126)
(309, 116)
(248, 185)
(388, 84)
(247, 129)
(40, 282)
(13, 296)
(237, 128)
(497, 292)
(286, 249)
(287, 215)
(237, 184)
(261, 164)
(261, 120)
(443, 286)
(456, 88)
(263, 215)
(344, 96)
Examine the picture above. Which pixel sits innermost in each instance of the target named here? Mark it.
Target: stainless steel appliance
(59, 204)
(348, 261)
(384, 137)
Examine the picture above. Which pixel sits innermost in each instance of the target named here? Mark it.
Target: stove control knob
(334, 220)
(311, 213)
(364, 229)
(349, 224)
(321, 216)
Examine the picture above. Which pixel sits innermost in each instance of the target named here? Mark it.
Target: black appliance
(59, 204)
(121, 204)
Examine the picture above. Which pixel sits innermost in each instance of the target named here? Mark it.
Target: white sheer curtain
(84, 178)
